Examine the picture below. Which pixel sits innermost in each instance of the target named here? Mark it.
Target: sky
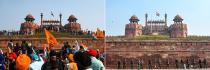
(110, 15)
(196, 14)
(90, 13)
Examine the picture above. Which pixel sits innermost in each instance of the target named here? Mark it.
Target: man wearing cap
(96, 64)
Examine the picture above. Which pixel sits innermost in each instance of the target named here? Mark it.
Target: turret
(134, 19)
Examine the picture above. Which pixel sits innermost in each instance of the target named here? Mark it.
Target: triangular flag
(50, 39)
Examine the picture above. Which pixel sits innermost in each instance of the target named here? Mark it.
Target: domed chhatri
(178, 18)
(28, 27)
(134, 18)
(29, 17)
(72, 18)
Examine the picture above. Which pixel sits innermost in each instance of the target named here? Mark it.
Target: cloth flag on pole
(50, 39)
(99, 33)
(157, 14)
(52, 14)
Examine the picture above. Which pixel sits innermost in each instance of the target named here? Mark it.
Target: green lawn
(159, 37)
(42, 35)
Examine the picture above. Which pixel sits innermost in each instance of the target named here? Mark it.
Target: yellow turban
(73, 65)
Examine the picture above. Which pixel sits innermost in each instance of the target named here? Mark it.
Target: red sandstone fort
(176, 30)
(157, 45)
(140, 44)
(32, 32)
(30, 27)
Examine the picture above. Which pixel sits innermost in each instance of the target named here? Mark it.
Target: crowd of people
(26, 56)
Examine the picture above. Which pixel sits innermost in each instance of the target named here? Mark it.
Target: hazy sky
(196, 13)
(90, 13)
(111, 15)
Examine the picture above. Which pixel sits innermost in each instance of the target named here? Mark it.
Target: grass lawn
(42, 35)
(158, 37)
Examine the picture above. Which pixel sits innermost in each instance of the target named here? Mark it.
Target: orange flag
(50, 38)
(99, 33)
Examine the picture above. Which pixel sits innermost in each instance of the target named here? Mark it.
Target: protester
(205, 62)
(11, 60)
(65, 50)
(71, 65)
(83, 60)
(124, 64)
(17, 48)
(2, 61)
(140, 64)
(30, 49)
(187, 64)
(96, 64)
(24, 46)
(22, 62)
(49, 65)
(131, 63)
(177, 63)
(37, 62)
(10, 45)
(100, 56)
(118, 64)
(150, 64)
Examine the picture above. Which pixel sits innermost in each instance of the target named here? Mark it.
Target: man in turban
(71, 65)
(96, 64)
(22, 62)
(37, 62)
(53, 63)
